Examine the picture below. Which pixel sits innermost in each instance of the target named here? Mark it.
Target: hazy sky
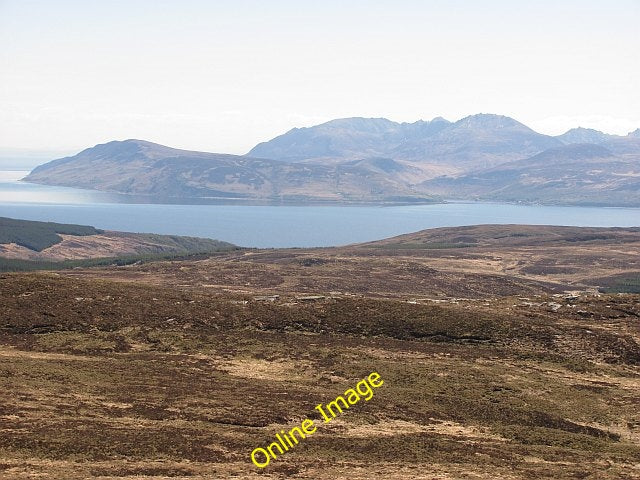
(223, 75)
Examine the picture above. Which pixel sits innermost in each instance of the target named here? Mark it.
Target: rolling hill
(145, 168)
(49, 241)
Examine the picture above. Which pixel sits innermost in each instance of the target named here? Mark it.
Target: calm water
(279, 226)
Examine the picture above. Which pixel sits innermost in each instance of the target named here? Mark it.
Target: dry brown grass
(123, 373)
(493, 261)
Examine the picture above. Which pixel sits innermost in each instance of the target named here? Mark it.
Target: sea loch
(279, 226)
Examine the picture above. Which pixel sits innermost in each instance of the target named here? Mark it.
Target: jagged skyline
(220, 76)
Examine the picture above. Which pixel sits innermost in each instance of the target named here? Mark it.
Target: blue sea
(279, 226)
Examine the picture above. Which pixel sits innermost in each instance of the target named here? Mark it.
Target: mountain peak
(360, 123)
(584, 130)
(143, 143)
(584, 135)
(489, 120)
(128, 148)
(350, 138)
(635, 133)
(495, 138)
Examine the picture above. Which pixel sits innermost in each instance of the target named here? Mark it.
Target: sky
(222, 76)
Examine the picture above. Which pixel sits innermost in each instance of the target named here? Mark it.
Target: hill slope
(585, 135)
(37, 236)
(477, 141)
(618, 144)
(145, 168)
(180, 369)
(29, 240)
(346, 138)
(573, 174)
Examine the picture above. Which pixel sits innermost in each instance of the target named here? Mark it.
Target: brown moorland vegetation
(180, 369)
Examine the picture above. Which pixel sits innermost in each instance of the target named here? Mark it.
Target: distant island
(482, 157)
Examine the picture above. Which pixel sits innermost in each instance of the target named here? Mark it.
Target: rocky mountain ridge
(355, 160)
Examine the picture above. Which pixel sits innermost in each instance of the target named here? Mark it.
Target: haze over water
(280, 226)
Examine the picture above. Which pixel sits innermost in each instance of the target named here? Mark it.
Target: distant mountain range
(474, 142)
(575, 174)
(484, 156)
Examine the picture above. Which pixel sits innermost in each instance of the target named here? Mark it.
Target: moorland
(507, 352)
